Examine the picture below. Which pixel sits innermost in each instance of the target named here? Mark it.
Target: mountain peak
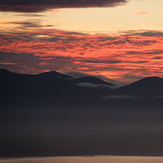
(49, 72)
(149, 86)
(153, 77)
(154, 80)
(56, 74)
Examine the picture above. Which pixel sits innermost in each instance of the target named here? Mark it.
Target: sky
(117, 39)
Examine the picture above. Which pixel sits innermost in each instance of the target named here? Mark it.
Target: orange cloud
(142, 13)
(5, 63)
(124, 57)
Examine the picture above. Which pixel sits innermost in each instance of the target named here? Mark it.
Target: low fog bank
(57, 131)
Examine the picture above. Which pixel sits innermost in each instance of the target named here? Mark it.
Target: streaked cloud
(125, 57)
(25, 24)
(41, 5)
(7, 63)
(29, 15)
(142, 13)
(150, 33)
(143, 32)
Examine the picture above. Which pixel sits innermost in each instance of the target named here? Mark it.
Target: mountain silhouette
(91, 79)
(149, 86)
(56, 88)
(50, 86)
(93, 84)
(50, 114)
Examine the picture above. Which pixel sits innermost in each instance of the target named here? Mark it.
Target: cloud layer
(127, 57)
(42, 5)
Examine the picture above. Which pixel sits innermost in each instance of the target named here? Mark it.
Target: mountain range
(56, 88)
(53, 114)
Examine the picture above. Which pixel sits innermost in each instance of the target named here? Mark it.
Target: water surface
(90, 159)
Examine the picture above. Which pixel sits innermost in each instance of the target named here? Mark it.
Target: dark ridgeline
(149, 86)
(147, 92)
(52, 114)
(50, 87)
(59, 89)
(93, 84)
(90, 79)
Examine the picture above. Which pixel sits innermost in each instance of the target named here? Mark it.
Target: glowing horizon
(120, 40)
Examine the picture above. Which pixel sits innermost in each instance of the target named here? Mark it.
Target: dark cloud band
(41, 5)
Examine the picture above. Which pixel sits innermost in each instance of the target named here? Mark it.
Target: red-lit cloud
(42, 5)
(125, 57)
(7, 63)
(142, 13)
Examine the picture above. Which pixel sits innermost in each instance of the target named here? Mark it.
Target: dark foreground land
(43, 131)
(50, 115)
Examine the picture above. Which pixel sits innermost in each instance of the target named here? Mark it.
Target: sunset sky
(117, 39)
